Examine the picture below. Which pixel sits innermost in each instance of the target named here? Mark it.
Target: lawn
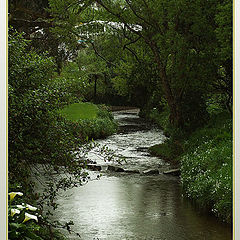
(77, 111)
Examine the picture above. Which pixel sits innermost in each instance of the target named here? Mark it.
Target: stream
(128, 206)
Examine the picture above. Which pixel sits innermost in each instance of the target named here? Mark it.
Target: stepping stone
(111, 168)
(94, 167)
(175, 172)
(131, 171)
(150, 172)
(115, 169)
(118, 169)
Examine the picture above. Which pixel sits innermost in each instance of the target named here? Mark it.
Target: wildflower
(14, 211)
(31, 208)
(30, 217)
(20, 206)
(13, 194)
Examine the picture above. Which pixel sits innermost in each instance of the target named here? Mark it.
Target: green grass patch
(78, 111)
(88, 121)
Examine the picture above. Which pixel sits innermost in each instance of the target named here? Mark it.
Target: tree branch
(138, 16)
(134, 54)
(120, 17)
(129, 43)
(99, 55)
(21, 22)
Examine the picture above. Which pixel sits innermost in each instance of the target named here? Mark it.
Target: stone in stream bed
(111, 168)
(175, 172)
(119, 169)
(115, 169)
(150, 172)
(131, 171)
(94, 167)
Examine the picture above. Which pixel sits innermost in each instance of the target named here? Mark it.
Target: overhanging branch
(99, 55)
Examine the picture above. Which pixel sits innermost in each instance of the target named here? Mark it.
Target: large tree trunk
(175, 118)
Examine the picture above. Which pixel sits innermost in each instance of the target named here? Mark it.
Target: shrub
(37, 134)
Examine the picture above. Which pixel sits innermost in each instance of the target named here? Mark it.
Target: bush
(37, 133)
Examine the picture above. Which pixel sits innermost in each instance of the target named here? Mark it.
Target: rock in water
(150, 172)
(115, 169)
(175, 172)
(94, 167)
(118, 169)
(111, 168)
(131, 171)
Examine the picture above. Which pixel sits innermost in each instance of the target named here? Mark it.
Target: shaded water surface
(133, 206)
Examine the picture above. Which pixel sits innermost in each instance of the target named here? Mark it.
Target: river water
(132, 206)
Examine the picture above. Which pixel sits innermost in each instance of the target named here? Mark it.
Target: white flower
(31, 208)
(14, 211)
(13, 194)
(30, 217)
(20, 206)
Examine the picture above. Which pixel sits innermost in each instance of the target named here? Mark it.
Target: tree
(180, 37)
(180, 43)
(224, 56)
(34, 20)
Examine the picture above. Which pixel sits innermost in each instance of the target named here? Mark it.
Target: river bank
(205, 159)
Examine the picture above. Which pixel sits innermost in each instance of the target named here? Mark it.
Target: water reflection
(137, 207)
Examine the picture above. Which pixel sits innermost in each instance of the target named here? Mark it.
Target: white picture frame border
(3, 120)
(236, 149)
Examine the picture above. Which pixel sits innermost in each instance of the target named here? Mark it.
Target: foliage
(206, 166)
(73, 81)
(157, 117)
(171, 58)
(33, 126)
(40, 140)
(168, 151)
(172, 35)
(27, 70)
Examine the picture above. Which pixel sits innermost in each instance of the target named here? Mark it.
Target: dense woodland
(172, 59)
